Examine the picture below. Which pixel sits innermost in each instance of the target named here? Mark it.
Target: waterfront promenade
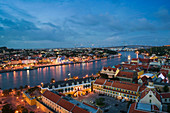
(34, 77)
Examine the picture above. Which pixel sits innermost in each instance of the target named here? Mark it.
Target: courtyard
(112, 105)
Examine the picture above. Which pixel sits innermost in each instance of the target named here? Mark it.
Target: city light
(16, 111)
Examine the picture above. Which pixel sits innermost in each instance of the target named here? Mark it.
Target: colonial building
(165, 97)
(166, 67)
(118, 89)
(151, 96)
(74, 87)
(60, 104)
(150, 101)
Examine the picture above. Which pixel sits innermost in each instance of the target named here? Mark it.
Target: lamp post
(137, 52)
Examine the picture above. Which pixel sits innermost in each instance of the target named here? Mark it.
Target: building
(118, 89)
(60, 104)
(143, 108)
(110, 72)
(151, 96)
(150, 101)
(75, 87)
(165, 97)
(166, 67)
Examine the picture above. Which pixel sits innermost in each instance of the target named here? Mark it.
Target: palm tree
(21, 88)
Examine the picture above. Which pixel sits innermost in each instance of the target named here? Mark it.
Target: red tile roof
(126, 74)
(166, 66)
(135, 59)
(142, 88)
(125, 85)
(154, 107)
(90, 105)
(144, 60)
(66, 104)
(165, 95)
(100, 81)
(134, 110)
(51, 96)
(77, 109)
(146, 91)
(108, 83)
(109, 68)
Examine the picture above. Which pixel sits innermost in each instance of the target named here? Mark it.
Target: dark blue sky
(70, 23)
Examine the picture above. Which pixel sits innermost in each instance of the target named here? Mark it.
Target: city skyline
(70, 23)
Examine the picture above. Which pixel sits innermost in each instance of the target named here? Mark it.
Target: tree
(69, 95)
(15, 89)
(21, 88)
(165, 88)
(6, 92)
(7, 109)
(129, 103)
(100, 101)
(18, 93)
(26, 86)
(24, 110)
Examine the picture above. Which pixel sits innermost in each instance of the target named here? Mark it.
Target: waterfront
(35, 77)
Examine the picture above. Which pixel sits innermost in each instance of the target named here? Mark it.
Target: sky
(83, 23)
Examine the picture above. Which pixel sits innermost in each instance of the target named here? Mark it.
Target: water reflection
(35, 77)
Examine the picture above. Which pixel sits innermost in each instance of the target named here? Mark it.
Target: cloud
(81, 23)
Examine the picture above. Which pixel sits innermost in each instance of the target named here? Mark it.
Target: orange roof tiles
(134, 110)
(77, 109)
(127, 74)
(135, 59)
(66, 104)
(165, 95)
(100, 81)
(125, 85)
(108, 83)
(145, 92)
(154, 107)
(90, 105)
(51, 96)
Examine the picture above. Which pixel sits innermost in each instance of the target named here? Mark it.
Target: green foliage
(69, 95)
(156, 50)
(7, 109)
(22, 108)
(165, 88)
(21, 88)
(26, 86)
(32, 89)
(6, 92)
(18, 93)
(100, 101)
(31, 111)
(129, 103)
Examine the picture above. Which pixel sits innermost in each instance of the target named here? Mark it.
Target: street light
(16, 111)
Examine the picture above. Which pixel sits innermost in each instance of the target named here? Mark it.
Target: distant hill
(162, 50)
(131, 46)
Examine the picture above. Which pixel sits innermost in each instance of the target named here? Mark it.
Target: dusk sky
(70, 23)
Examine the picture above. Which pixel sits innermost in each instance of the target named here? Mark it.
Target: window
(150, 95)
(150, 101)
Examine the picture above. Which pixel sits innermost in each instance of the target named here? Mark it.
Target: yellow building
(30, 100)
(75, 87)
